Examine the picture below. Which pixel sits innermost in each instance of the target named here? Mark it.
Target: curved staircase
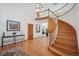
(62, 36)
(66, 41)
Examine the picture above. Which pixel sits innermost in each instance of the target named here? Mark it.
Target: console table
(14, 38)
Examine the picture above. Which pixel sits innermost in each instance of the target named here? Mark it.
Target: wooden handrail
(53, 13)
(68, 10)
(58, 10)
(51, 25)
(61, 7)
(52, 30)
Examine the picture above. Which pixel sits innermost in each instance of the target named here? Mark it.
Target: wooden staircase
(62, 36)
(66, 41)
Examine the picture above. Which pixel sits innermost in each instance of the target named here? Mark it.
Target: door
(30, 31)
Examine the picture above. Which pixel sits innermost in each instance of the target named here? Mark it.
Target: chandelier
(39, 8)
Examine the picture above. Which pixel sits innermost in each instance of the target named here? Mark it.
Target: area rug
(14, 52)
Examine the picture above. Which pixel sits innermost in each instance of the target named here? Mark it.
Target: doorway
(30, 31)
(44, 28)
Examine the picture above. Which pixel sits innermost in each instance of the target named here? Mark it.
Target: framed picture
(37, 28)
(13, 25)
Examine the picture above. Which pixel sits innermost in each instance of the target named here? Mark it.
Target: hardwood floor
(35, 47)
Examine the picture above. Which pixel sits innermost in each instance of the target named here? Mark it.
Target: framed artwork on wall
(13, 25)
(37, 28)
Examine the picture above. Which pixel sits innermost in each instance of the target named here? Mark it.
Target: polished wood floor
(35, 47)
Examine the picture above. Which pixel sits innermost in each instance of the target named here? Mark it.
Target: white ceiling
(28, 9)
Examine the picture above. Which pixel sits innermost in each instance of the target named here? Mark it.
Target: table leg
(2, 43)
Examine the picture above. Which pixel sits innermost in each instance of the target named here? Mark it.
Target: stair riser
(63, 34)
(65, 45)
(66, 28)
(54, 52)
(66, 50)
(68, 38)
(65, 40)
(69, 33)
(65, 31)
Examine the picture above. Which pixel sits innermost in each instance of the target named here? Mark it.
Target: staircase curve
(62, 36)
(66, 41)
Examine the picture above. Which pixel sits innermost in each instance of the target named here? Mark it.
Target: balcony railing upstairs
(41, 15)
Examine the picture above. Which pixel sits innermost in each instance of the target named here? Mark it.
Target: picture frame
(37, 28)
(13, 25)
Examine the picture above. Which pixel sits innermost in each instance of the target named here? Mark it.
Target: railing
(61, 7)
(41, 13)
(53, 35)
(54, 17)
(65, 9)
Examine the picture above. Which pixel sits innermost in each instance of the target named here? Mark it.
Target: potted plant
(14, 33)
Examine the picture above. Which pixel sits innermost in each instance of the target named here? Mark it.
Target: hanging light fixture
(39, 8)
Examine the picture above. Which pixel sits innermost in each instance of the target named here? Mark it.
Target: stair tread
(67, 46)
(70, 36)
(57, 51)
(66, 34)
(66, 51)
(64, 42)
(64, 37)
(66, 31)
(64, 48)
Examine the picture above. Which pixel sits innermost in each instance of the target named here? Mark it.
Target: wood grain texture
(41, 18)
(66, 42)
(35, 47)
(51, 25)
(30, 31)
